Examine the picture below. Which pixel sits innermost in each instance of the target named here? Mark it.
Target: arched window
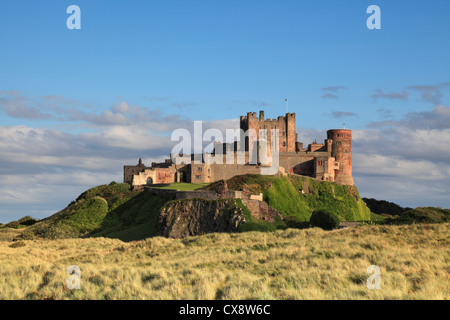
(149, 181)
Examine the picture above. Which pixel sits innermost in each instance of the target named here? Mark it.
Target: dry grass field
(287, 264)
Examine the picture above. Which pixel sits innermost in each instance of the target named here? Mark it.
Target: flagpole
(287, 109)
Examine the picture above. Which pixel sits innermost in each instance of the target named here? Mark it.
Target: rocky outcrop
(261, 210)
(182, 218)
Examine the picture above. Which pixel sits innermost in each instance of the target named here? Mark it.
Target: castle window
(199, 169)
(284, 143)
(198, 177)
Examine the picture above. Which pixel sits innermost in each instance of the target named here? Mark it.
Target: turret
(291, 135)
(342, 152)
(261, 115)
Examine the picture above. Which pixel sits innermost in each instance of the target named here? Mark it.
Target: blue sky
(138, 69)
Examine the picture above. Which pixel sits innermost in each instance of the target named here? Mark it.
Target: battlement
(251, 116)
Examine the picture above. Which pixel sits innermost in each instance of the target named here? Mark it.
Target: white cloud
(47, 168)
(405, 161)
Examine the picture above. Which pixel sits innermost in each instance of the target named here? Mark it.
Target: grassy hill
(116, 211)
(112, 210)
(413, 252)
(384, 207)
(422, 215)
(298, 196)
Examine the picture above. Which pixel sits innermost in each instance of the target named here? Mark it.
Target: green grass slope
(116, 211)
(112, 210)
(384, 207)
(298, 196)
(424, 215)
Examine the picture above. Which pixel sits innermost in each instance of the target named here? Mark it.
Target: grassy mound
(112, 210)
(297, 196)
(116, 211)
(425, 215)
(384, 207)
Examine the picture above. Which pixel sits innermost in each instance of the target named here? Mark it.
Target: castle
(330, 161)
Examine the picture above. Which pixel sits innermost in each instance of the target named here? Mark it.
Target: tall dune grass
(288, 264)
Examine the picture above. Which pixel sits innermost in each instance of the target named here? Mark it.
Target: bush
(425, 215)
(25, 235)
(295, 222)
(324, 219)
(27, 221)
(13, 224)
(17, 244)
(384, 207)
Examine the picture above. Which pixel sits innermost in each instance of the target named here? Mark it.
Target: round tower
(342, 152)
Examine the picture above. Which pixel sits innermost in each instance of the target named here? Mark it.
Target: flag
(285, 99)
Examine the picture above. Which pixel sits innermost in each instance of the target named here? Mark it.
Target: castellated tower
(342, 152)
(285, 125)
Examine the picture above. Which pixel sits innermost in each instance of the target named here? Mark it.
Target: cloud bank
(45, 166)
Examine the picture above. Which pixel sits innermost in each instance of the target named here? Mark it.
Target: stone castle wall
(330, 161)
(285, 125)
(202, 194)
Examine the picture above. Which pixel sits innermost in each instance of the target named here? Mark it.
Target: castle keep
(329, 161)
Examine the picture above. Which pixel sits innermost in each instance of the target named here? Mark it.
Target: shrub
(13, 224)
(295, 222)
(17, 244)
(425, 215)
(324, 219)
(386, 207)
(25, 235)
(27, 221)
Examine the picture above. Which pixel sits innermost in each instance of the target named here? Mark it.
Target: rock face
(184, 218)
(261, 210)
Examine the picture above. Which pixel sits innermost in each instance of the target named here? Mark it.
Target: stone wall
(209, 195)
(155, 176)
(285, 125)
(261, 210)
(203, 194)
